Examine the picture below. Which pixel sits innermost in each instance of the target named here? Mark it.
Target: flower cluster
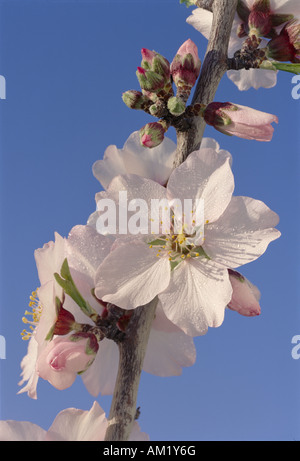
(191, 234)
(157, 98)
(264, 34)
(155, 76)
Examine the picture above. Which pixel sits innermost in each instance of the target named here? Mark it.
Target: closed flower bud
(185, 67)
(65, 357)
(241, 121)
(152, 134)
(155, 62)
(135, 99)
(176, 106)
(245, 295)
(149, 80)
(286, 47)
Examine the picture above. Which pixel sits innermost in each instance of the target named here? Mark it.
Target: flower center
(178, 247)
(34, 315)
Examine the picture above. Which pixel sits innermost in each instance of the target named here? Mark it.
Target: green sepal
(58, 305)
(174, 264)
(50, 333)
(201, 252)
(188, 3)
(293, 68)
(66, 281)
(157, 242)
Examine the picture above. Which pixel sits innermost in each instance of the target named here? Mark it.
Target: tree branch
(214, 67)
(132, 352)
(205, 4)
(133, 347)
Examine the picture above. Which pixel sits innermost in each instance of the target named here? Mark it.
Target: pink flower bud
(185, 67)
(156, 62)
(149, 80)
(241, 121)
(64, 357)
(286, 47)
(135, 99)
(147, 58)
(245, 296)
(152, 134)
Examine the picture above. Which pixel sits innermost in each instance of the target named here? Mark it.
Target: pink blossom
(241, 121)
(152, 134)
(245, 295)
(64, 357)
(185, 67)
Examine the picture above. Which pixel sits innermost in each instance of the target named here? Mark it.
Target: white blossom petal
(86, 249)
(101, 376)
(49, 258)
(20, 431)
(133, 158)
(242, 233)
(29, 374)
(206, 175)
(79, 425)
(197, 296)
(132, 275)
(253, 78)
(168, 352)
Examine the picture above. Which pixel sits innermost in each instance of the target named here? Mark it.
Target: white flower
(85, 249)
(169, 349)
(69, 425)
(187, 270)
(155, 164)
(244, 79)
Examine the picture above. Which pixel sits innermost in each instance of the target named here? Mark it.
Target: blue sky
(66, 64)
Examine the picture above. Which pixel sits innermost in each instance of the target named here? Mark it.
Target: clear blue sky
(66, 64)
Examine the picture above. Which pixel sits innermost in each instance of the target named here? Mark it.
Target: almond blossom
(69, 425)
(241, 121)
(245, 295)
(187, 270)
(244, 79)
(59, 360)
(155, 164)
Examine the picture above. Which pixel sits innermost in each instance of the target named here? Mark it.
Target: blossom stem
(213, 69)
(132, 352)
